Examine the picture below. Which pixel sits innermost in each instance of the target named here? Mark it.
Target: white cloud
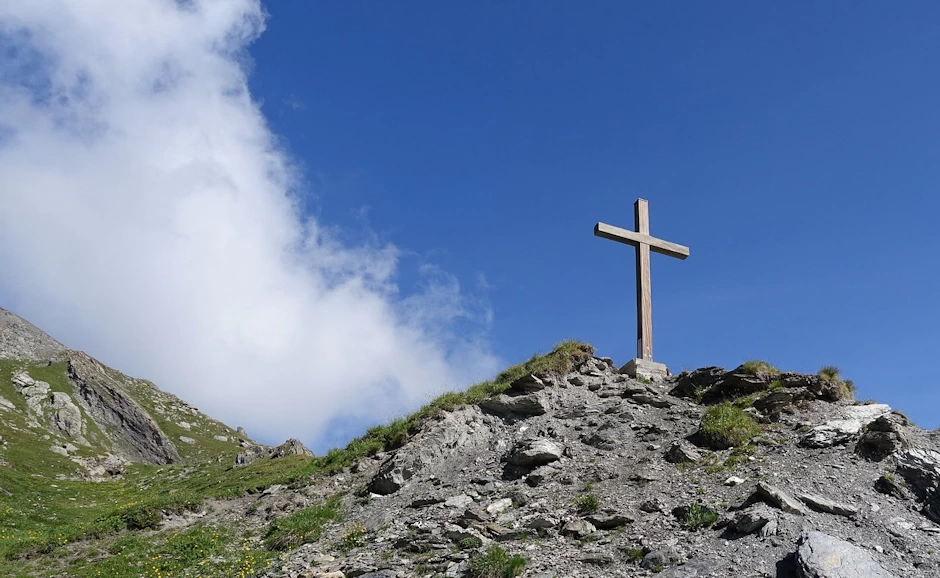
(148, 216)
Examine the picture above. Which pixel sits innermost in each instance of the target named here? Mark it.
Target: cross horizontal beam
(636, 239)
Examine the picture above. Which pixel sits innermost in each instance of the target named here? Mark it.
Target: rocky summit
(560, 467)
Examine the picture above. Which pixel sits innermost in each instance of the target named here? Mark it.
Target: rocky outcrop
(133, 433)
(820, 555)
(430, 449)
(65, 416)
(921, 469)
(883, 437)
(20, 339)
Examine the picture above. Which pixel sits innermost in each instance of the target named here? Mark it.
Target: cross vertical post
(644, 295)
(641, 240)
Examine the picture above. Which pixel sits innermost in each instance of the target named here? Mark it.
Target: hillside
(561, 466)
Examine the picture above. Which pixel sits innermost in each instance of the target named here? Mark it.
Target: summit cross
(643, 365)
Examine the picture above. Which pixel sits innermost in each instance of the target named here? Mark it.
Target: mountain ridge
(560, 466)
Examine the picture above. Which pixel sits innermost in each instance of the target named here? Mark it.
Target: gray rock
(695, 568)
(890, 486)
(251, 454)
(578, 528)
(820, 555)
(532, 404)
(609, 521)
(882, 437)
(6, 405)
(921, 469)
(427, 449)
(681, 452)
(537, 452)
(20, 339)
(821, 504)
(459, 501)
(778, 498)
(187, 440)
(134, 435)
(752, 519)
(499, 506)
(531, 382)
(648, 399)
(291, 447)
(659, 559)
(831, 433)
(65, 416)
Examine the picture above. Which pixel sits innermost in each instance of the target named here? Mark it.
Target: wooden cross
(644, 243)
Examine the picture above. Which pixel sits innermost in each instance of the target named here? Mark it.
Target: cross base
(645, 368)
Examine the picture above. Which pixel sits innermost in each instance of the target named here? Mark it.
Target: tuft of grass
(302, 527)
(759, 367)
(469, 543)
(725, 426)
(587, 503)
(495, 563)
(634, 554)
(845, 388)
(696, 516)
(354, 537)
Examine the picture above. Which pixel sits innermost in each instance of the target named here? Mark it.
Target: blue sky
(794, 148)
(327, 212)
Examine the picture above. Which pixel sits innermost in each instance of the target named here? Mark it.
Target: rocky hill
(561, 466)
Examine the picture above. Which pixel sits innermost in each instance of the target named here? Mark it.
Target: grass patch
(302, 527)
(495, 563)
(695, 516)
(759, 368)
(587, 503)
(725, 426)
(634, 554)
(844, 388)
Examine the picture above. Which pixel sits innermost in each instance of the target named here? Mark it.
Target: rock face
(429, 449)
(883, 437)
(20, 339)
(822, 556)
(921, 469)
(134, 433)
(66, 417)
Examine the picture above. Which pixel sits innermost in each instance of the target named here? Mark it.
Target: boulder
(690, 384)
(530, 383)
(778, 498)
(578, 528)
(820, 555)
(821, 504)
(753, 519)
(681, 452)
(883, 437)
(65, 416)
(525, 405)
(537, 452)
(831, 433)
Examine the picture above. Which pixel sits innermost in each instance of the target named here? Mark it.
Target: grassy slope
(52, 527)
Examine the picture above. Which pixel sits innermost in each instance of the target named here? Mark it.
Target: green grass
(634, 554)
(302, 527)
(696, 516)
(52, 526)
(726, 425)
(759, 367)
(845, 388)
(587, 503)
(495, 563)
